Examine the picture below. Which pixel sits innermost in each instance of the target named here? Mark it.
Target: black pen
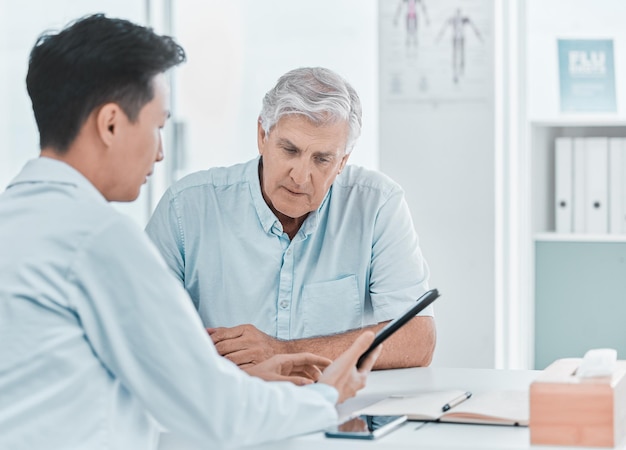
(456, 401)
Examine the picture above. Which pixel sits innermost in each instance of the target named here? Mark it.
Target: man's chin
(124, 198)
(292, 213)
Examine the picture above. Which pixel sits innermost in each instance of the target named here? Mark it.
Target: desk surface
(425, 436)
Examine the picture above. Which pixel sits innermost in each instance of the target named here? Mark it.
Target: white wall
(20, 25)
(549, 20)
(6, 166)
(439, 145)
(238, 49)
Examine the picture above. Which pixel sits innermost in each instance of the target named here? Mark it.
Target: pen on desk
(460, 399)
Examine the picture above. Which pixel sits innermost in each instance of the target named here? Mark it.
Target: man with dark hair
(100, 346)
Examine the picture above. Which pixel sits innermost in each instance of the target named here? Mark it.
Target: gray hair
(317, 93)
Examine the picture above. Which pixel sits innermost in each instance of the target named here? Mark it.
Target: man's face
(139, 145)
(300, 163)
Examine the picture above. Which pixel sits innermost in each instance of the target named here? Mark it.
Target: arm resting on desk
(245, 345)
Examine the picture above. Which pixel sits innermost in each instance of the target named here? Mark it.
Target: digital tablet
(397, 323)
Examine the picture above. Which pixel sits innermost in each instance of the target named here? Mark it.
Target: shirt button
(284, 304)
(289, 251)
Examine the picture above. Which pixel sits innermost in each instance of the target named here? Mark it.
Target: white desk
(419, 435)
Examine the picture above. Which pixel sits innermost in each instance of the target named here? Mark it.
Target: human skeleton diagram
(458, 22)
(411, 20)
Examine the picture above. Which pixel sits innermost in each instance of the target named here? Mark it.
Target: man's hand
(298, 368)
(245, 345)
(343, 375)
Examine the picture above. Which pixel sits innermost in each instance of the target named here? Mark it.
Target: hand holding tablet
(398, 322)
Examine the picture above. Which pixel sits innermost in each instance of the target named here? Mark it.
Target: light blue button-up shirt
(100, 347)
(354, 262)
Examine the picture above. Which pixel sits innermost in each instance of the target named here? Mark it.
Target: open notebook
(495, 407)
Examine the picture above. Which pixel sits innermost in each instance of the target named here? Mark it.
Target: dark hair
(93, 61)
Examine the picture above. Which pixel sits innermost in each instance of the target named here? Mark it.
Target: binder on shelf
(617, 185)
(579, 185)
(597, 188)
(563, 155)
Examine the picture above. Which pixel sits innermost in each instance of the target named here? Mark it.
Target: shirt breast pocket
(331, 307)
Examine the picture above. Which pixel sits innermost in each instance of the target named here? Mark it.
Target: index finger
(309, 359)
(297, 380)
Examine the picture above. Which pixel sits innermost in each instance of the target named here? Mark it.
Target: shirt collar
(266, 216)
(48, 170)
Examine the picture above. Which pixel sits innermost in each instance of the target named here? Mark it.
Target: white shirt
(100, 347)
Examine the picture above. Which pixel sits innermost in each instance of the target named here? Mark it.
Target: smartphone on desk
(365, 427)
(398, 322)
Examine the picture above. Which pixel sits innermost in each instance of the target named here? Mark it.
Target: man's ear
(344, 160)
(107, 122)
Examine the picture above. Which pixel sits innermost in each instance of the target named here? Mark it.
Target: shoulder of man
(360, 177)
(214, 176)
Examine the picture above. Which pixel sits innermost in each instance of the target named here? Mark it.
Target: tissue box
(568, 410)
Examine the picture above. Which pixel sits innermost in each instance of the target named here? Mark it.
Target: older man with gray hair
(295, 250)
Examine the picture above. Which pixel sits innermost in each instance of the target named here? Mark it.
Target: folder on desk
(495, 407)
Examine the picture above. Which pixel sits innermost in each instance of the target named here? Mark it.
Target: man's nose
(300, 171)
(161, 151)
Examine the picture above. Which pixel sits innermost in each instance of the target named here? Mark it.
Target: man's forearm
(411, 346)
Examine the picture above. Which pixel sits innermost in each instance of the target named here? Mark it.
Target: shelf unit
(542, 136)
(576, 286)
(532, 250)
